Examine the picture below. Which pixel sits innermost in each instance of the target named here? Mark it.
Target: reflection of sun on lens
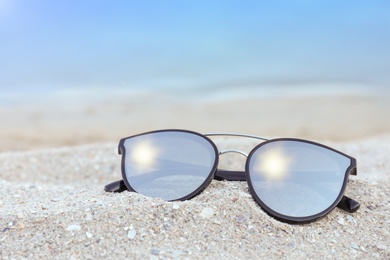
(144, 154)
(274, 164)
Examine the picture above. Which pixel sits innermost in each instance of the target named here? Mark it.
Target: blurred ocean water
(68, 52)
(72, 96)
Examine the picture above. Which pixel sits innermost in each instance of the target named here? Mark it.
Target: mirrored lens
(169, 164)
(295, 178)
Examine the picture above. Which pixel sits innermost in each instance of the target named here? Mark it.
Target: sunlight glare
(144, 154)
(274, 164)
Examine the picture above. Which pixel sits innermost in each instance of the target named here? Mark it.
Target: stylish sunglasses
(292, 180)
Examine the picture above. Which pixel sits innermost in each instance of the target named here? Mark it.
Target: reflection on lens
(144, 155)
(273, 164)
(168, 164)
(296, 179)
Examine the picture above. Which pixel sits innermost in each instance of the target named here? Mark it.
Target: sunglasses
(293, 180)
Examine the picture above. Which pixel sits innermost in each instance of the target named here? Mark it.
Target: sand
(63, 122)
(52, 203)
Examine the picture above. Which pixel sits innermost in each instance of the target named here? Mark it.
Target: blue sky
(48, 44)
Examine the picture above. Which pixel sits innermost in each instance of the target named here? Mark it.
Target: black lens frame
(342, 202)
(351, 170)
(205, 184)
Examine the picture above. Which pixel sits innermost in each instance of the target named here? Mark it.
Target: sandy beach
(55, 162)
(78, 76)
(64, 121)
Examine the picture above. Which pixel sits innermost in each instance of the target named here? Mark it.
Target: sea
(70, 95)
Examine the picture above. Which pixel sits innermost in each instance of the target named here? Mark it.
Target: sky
(47, 45)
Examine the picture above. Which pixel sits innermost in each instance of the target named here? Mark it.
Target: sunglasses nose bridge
(233, 151)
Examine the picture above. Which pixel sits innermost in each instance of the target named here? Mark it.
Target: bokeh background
(74, 72)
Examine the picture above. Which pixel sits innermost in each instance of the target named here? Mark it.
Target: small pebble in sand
(131, 234)
(73, 228)
(88, 217)
(354, 246)
(21, 225)
(207, 213)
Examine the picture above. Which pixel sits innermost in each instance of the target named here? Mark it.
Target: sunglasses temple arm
(117, 186)
(348, 204)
